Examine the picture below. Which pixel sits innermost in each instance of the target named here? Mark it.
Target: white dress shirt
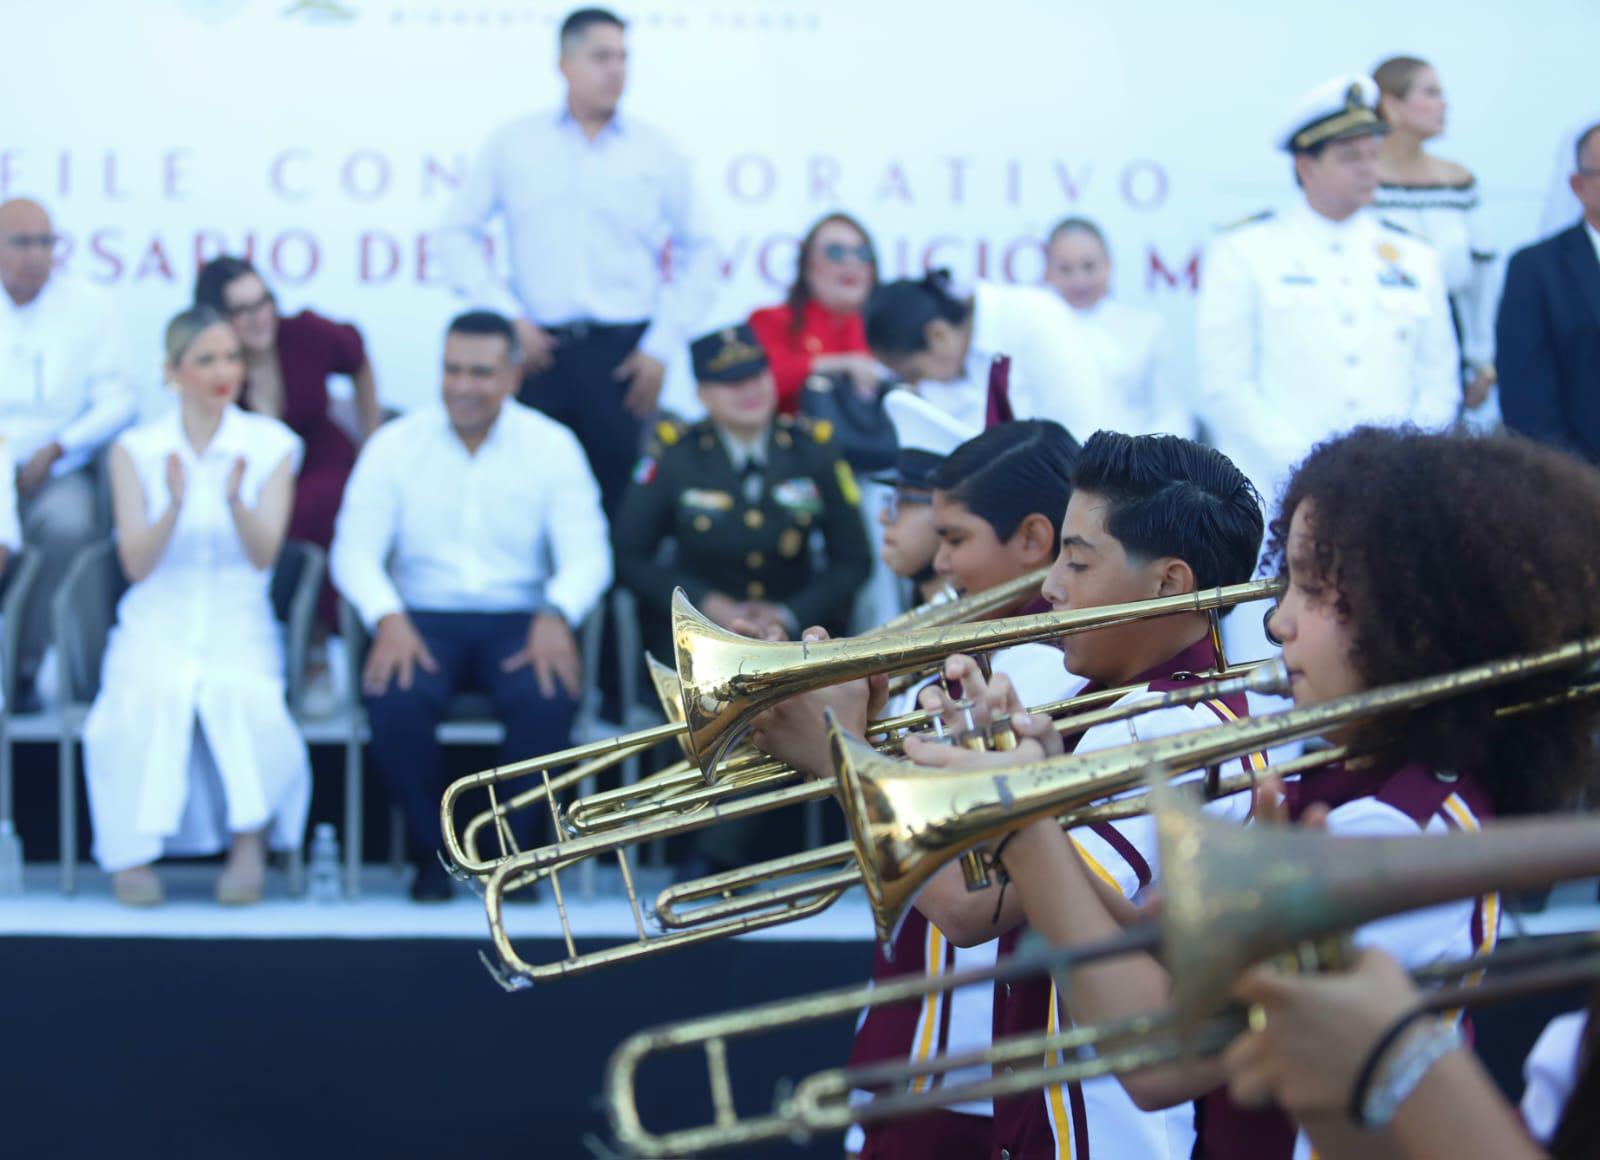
(1055, 373)
(63, 376)
(1135, 361)
(1594, 238)
(510, 528)
(587, 223)
(1307, 327)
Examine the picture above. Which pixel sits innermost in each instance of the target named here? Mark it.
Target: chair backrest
(296, 580)
(83, 611)
(16, 588)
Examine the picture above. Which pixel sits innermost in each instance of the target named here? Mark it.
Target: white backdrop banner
(323, 137)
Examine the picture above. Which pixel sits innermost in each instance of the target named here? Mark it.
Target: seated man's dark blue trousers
(469, 648)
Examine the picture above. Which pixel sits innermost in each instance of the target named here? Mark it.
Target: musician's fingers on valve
(937, 755)
(1314, 1034)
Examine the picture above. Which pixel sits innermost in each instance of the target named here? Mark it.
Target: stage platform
(369, 1028)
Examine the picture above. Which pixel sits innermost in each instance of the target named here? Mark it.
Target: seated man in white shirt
(63, 395)
(471, 542)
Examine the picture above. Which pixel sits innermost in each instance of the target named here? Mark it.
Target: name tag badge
(705, 500)
(798, 495)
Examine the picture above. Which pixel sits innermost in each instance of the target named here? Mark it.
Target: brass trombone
(1233, 896)
(799, 898)
(905, 823)
(1073, 716)
(462, 851)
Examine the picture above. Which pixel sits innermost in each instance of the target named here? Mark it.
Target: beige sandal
(238, 888)
(138, 886)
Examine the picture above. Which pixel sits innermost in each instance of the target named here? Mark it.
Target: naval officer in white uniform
(1318, 317)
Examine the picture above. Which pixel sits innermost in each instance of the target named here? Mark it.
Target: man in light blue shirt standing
(593, 202)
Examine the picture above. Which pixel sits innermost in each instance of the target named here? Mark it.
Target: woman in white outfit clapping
(190, 748)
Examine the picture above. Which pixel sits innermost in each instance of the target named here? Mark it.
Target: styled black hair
(580, 20)
(1077, 225)
(487, 322)
(1583, 139)
(898, 313)
(215, 277)
(1170, 496)
(1011, 472)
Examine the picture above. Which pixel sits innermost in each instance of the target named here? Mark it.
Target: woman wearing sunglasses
(817, 330)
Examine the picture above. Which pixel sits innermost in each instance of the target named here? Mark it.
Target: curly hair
(1446, 551)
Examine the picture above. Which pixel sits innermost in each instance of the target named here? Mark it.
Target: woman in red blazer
(818, 329)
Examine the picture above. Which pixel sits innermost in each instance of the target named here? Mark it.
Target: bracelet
(1375, 1099)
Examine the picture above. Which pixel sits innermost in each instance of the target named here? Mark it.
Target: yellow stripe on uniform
(1258, 759)
(1464, 817)
(1055, 1096)
(1100, 871)
(933, 952)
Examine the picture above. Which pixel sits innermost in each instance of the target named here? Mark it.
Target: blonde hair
(187, 326)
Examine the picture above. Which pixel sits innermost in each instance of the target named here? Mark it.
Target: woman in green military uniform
(742, 495)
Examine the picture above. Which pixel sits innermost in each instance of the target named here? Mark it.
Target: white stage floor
(385, 911)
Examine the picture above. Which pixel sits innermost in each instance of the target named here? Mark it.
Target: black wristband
(1358, 1093)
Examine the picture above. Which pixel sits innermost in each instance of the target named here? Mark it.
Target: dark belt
(584, 331)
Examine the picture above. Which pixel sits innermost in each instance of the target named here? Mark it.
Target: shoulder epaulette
(1264, 215)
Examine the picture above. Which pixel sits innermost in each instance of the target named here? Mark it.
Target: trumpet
(462, 851)
(1234, 896)
(803, 891)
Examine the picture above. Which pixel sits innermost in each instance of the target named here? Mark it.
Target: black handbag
(860, 427)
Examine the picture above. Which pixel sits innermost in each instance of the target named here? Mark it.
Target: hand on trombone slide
(794, 730)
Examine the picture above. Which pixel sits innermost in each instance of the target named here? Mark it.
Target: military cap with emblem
(926, 436)
(730, 355)
(1336, 110)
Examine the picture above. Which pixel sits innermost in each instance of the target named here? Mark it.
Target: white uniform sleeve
(1481, 298)
(1127, 853)
(462, 232)
(1436, 389)
(1551, 1072)
(578, 535)
(1248, 426)
(1419, 937)
(369, 521)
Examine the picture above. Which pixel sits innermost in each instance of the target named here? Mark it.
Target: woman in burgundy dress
(289, 361)
(818, 328)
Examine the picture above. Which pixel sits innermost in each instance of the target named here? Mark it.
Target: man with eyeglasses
(1548, 332)
(64, 394)
(591, 201)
